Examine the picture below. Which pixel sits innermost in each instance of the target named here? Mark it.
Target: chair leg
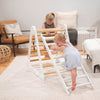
(17, 45)
(14, 50)
(13, 44)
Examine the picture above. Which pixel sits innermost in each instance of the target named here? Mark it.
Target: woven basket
(5, 53)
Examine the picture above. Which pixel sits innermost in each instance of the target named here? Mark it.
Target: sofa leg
(87, 56)
(95, 68)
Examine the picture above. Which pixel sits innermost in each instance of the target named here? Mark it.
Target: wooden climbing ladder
(41, 41)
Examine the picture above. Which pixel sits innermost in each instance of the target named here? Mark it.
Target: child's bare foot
(73, 87)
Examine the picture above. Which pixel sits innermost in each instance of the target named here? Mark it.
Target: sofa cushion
(18, 39)
(13, 28)
(68, 18)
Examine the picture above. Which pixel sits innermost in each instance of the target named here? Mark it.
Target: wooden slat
(50, 30)
(46, 58)
(40, 40)
(42, 59)
(40, 50)
(42, 53)
(50, 65)
(34, 60)
(35, 55)
(49, 72)
(51, 34)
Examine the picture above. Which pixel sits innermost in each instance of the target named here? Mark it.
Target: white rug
(16, 83)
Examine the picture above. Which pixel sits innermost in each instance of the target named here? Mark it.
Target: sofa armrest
(10, 33)
(12, 36)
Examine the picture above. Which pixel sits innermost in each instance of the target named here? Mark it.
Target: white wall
(32, 12)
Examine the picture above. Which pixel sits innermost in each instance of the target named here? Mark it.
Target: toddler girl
(71, 55)
(49, 23)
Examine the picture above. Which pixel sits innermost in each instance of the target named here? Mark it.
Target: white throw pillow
(13, 28)
(68, 18)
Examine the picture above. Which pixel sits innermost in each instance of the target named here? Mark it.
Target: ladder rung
(40, 50)
(36, 45)
(49, 38)
(34, 60)
(50, 65)
(49, 72)
(51, 43)
(51, 34)
(79, 85)
(42, 53)
(80, 76)
(34, 54)
(79, 68)
(40, 40)
(63, 71)
(53, 51)
(50, 30)
(46, 58)
(59, 64)
(55, 57)
(38, 59)
(83, 84)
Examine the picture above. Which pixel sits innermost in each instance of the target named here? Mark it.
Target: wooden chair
(13, 40)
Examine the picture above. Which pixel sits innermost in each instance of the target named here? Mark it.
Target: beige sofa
(92, 48)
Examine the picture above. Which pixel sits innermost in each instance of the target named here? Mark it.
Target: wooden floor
(19, 52)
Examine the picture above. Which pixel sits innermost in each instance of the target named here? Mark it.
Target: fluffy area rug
(17, 83)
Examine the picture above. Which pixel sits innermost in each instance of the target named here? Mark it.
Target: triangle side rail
(55, 65)
(38, 51)
(34, 32)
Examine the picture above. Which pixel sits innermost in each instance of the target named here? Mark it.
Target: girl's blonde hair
(50, 16)
(59, 37)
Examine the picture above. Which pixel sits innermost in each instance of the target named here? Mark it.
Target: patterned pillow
(13, 28)
(68, 18)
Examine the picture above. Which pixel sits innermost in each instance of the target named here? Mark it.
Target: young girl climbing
(71, 55)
